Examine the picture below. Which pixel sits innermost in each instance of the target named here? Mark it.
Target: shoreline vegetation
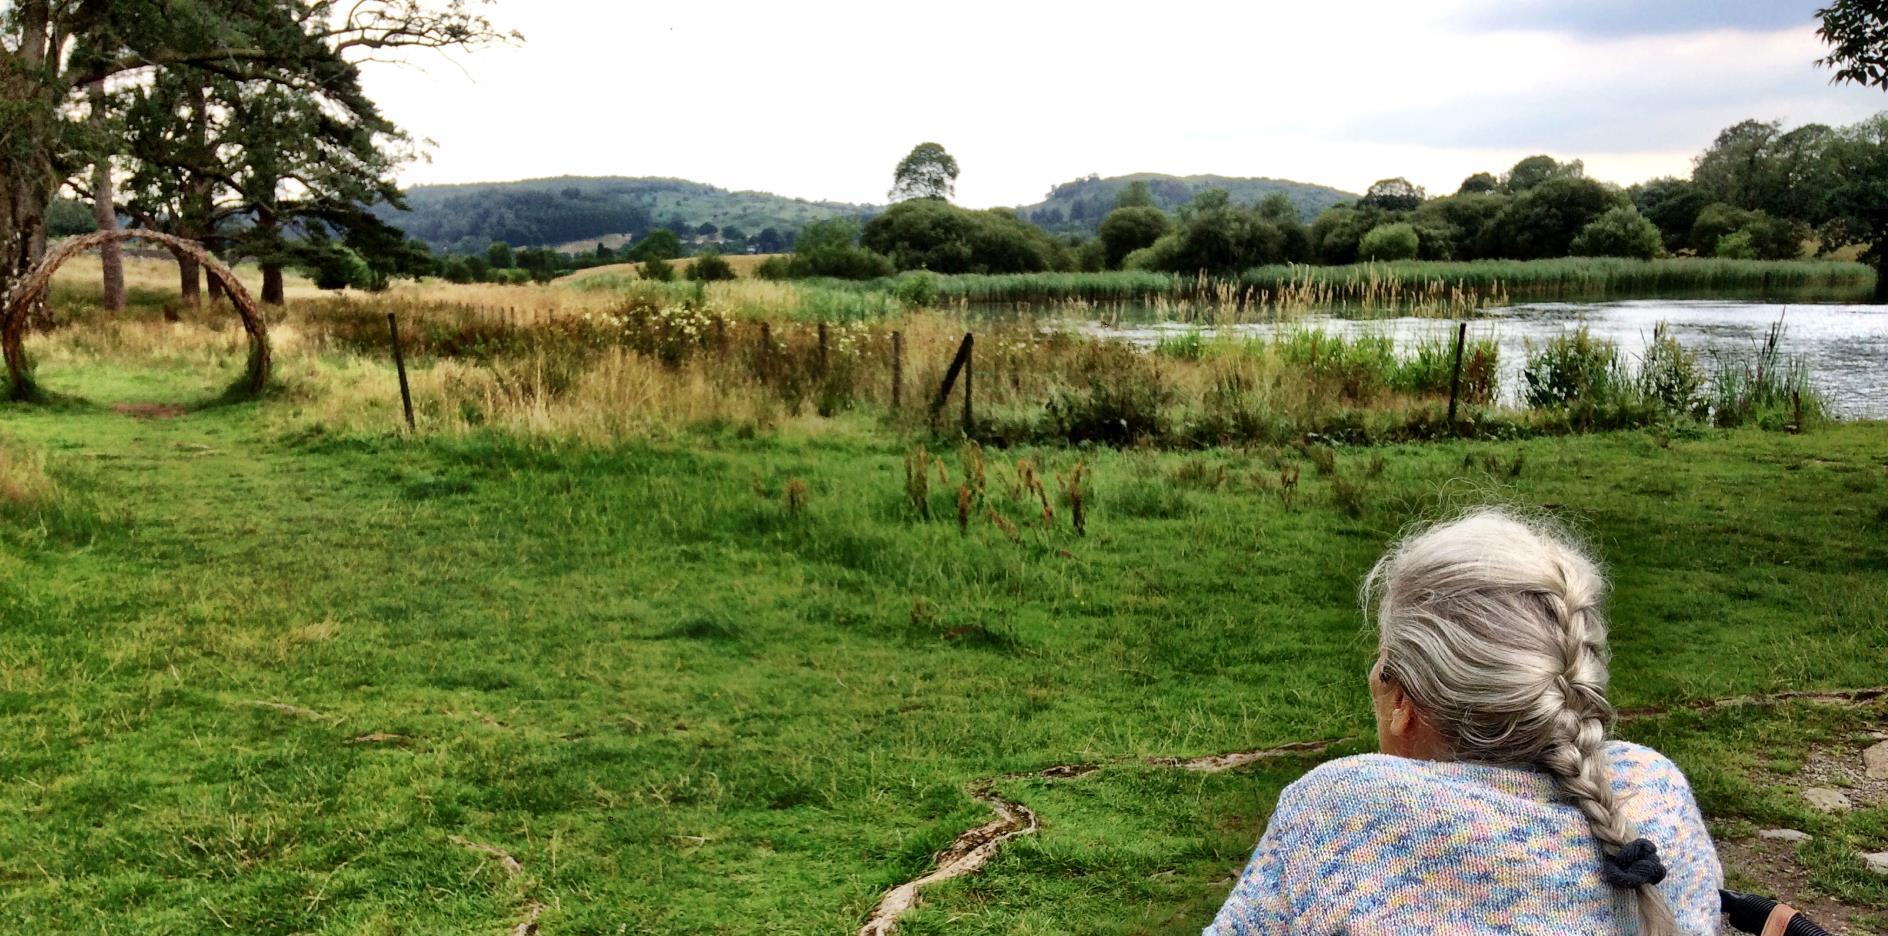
(1422, 287)
(751, 356)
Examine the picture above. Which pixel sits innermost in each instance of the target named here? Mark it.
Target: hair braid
(1575, 754)
(1492, 625)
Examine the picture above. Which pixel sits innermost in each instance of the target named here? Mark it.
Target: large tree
(52, 51)
(926, 172)
(1857, 205)
(1857, 34)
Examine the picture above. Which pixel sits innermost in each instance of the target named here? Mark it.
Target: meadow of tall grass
(609, 361)
(284, 665)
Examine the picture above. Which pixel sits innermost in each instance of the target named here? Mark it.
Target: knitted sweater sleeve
(1267, 895)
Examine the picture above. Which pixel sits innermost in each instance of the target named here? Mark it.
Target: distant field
(743, 264)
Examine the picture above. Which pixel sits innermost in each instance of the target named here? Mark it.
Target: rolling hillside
(576, 210)
(574, 213)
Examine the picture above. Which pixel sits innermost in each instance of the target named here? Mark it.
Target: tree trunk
(111, 256)
(215, 287)
(195, 223)
(40, 316)
(189, 282)
(25, 176)
(269, 229)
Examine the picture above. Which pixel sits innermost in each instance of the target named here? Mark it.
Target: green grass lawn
(685, 706)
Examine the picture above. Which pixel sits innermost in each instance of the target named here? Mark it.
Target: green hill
(573, 210)
(574, 213)
(1078, 206)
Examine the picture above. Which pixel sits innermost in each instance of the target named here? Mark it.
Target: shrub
(830, 248)
(1124, 402)
(1126, 230)
(930, 234)
(916, 289)
(1671, 377)
(1737, 245)
(659, 244)
(657, 270)
(1571, 369)
(1389, 242)
(776, 267)
(710, 267)
(1620, 232)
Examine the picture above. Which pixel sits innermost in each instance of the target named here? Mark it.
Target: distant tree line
(1758, 192)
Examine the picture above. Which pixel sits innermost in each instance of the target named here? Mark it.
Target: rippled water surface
(1845, 346)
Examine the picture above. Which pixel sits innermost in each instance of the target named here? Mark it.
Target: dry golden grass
(157, 275)
(621, 396)
(744, 266)
(23, 478)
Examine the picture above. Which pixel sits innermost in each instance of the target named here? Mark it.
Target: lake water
(1844, 346)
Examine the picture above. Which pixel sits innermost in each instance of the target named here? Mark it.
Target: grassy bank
(262, 675)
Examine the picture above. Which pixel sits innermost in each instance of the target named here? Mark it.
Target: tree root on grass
(964, 855)
(1772, 698)
(971, 850)
(528, 925)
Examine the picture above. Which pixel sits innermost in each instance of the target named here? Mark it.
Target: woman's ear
(1404, 718)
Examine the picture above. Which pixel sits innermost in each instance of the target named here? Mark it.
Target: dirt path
(975, 847)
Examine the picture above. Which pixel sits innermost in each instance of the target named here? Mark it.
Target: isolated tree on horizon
(1397, 194)
(926, 172)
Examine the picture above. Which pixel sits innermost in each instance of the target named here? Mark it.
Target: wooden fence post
(399, 364)
(898, 367)
(1455, 379)
(969, 366)
(959, 364)
(766, 351)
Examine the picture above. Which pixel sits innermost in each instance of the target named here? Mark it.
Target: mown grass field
(261, 677)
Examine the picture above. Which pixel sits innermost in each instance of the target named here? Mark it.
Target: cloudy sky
(821, 99)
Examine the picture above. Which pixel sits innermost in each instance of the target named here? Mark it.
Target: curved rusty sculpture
(13, 312)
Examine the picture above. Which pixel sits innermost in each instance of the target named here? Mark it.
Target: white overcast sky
(821, 99)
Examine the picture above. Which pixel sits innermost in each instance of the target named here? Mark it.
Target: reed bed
(649, 370)
(1416, 287)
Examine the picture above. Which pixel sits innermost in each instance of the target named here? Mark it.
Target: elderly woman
(1498, 805)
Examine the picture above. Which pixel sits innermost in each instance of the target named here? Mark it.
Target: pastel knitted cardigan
(1376, 844)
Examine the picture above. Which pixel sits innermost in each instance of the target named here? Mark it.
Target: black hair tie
(1636, 865)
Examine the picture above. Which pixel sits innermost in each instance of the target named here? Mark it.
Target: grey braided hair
(1492, 625)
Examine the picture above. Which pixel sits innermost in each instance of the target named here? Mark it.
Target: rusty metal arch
(33, 285)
